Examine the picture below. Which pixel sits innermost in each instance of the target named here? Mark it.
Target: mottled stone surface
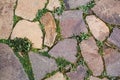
(10, 67)
(115, 37)
(72, 4)
(66, 49)
(6, 18)
(50, 28)
(112, 62)
(57, 76)
(72, 22)
(90, 54)
(30, 30)
(41, 65)
(98, 28)
(95, 78)
(28, 9)
(79, 74)
(108, 10)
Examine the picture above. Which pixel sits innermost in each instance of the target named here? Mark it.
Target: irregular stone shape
(72, 4)
(95, 78)
(72, 22)
(50, 28)
(57, 76)
(28, 9)
(90, 54)
(30, 30)
(41, 65)
(112, 62)
(10, 67)
(53, 4)
(79, 74)
(114, 37)
(108, 11)
(66, 49)
(98, 28)
(6, 18)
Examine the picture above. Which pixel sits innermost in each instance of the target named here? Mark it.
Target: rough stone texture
(108, 10)
(98, 28)
(112, 62)
(57, 76)
(71, 4)
(50, 28)
(71, 22)
(10, 67)
(53, 4)
(28, 9)
(30, 30)
(77, 75)
(41, 65)
(90, 54)
(95, 78)
(66, 49)
(115, 37)
(6, 18)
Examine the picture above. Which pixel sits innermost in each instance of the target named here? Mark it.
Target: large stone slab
(95, 78)
(115, 37)
(98, 28)
(79, 74)
(72, 22)
(6, 18)
(50, 28)
(108, 10)
(41, 65)
(66, 49)
(90, 54)
(112, 62)
(28, 9)
(10, 67)
(30, 30)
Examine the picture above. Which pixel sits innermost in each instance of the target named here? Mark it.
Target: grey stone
(10, 67)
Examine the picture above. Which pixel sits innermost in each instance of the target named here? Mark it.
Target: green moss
(100, 46)
(45, 54)
(49, 75)
(16, 19)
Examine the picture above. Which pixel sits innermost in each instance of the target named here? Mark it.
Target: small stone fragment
(57, 76)
(50, 28)
(95, 78)
(28, 9)
(98, 28)
(115, 37)
(90, 54)
(66, 49)
(30, 30)
(41, 65)
(10, 67)
(77, 75)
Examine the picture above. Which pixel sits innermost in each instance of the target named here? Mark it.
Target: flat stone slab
(95, 78)
(30, 30)
(79, 74)
(72, 22)
(6, 18)
(28, 9)
(112, 62)
(57, 76)
(108, 11)
(65, 49)
(90, 54)
(50, 28)
(41, 65)
(98, 28)
(10, 67)
(115, 37)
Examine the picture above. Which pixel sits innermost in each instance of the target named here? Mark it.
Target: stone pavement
(59, 39)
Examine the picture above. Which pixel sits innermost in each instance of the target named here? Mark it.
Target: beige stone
(95, 78)
(57, 76)
(50, 28)
(98, 28)
(53, 4)
(28, 9)
(30, 30)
